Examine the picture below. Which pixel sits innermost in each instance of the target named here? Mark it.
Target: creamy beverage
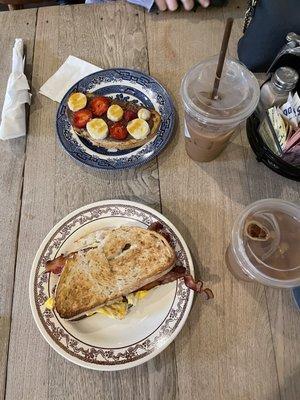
(202, 145)
(209, 124)
(265, 245)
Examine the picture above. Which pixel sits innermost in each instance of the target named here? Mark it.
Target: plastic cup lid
(238, 92)
(239, 249)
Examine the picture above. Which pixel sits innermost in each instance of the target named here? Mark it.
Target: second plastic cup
(264, 244)
(209, 124)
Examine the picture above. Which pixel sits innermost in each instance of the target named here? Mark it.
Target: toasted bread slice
(129, 143)
(126, 259)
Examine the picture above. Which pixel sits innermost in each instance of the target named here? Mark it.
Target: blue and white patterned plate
(123, 84)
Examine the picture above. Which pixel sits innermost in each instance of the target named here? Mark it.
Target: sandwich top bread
(110, 265)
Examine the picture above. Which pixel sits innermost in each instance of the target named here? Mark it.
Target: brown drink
(202, 145)
(209, 124)
(265, 244)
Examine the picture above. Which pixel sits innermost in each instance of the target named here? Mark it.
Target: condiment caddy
(274, 129)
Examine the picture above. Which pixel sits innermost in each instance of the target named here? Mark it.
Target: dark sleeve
(266, 33)
(218, 2)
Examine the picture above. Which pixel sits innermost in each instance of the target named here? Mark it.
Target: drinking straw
(222, 55)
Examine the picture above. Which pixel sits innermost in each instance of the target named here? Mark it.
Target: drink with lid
(210, 123)
(265, 244)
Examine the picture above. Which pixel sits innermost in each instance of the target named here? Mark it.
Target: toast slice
(127, 144)
(126, 259)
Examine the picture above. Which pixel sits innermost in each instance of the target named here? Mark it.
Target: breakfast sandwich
(111, 123)
(110, 270)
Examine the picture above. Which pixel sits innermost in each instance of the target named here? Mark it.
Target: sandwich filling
(117, 310)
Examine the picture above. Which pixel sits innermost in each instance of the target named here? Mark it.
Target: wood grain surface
(227, 349)
(283, 316)
(12, 162)
(244, 344)
(54, 185)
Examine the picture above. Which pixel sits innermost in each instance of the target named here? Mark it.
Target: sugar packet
(279, 125)
(296, 103)
(268, 137)
(289, 110)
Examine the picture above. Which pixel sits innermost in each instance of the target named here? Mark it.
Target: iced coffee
(210, 123)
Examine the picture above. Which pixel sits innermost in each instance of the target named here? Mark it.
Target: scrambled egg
(133, 298)
(117, 310)
(120, 310)
(50, 303)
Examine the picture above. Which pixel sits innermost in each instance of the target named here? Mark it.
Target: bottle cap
(285, 78)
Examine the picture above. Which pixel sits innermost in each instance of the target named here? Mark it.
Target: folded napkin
(13, 121)
(72, 70)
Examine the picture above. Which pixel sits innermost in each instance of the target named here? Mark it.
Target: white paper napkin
(72, 70)
(13, 121)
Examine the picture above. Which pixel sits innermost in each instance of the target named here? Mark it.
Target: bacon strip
(167, 236)
(209, 293)
(198, 287)
(180, 272)
(155, 226)
(175, 273)
(57, 265)
(159, 228)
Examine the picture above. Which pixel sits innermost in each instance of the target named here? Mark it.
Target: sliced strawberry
(129, 115)
(118, 131)
(99, 105)
(81, 118)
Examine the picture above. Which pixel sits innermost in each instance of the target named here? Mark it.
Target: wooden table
(243, 345)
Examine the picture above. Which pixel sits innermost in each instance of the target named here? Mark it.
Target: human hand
(172, 5)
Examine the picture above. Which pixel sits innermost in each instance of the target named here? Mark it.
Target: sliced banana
(145, 114)
(97, 128)
(77, 101)
(138, 128)
(115, 113)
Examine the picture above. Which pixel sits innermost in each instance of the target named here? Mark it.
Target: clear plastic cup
(209, 124)
(265, 244)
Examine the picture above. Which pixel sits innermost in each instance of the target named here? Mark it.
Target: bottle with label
(276, 91)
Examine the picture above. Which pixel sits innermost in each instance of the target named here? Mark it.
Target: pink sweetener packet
(293, 155)
(292, 141)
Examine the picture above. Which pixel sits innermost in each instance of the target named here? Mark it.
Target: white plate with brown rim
(99, 342)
